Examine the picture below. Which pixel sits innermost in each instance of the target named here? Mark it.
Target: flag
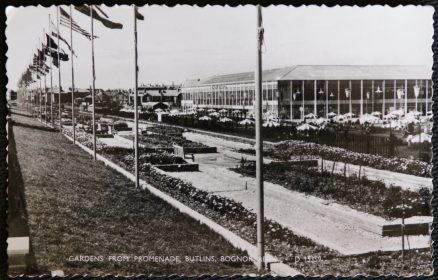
(55, 61)
(63, 40)
(138, 15)
(106, 22)
(54, 54)
(41, 56)
(65, 21)
(51, 42)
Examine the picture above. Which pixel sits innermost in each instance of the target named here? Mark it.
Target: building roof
(171, 92)
(323, 72)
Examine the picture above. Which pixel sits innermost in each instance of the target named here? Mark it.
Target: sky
(190, 42)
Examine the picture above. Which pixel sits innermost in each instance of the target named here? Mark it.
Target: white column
(383, 97)
(361, 98)
(351, 93)
(291, 98)
(339, 97)
(302, 112)
(427, 94)
(372, 96)
(395, 94)
(314, 98)
(326, 99)
(406, 97)
(416, 97)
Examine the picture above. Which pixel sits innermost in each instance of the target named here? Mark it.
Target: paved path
(338, 227)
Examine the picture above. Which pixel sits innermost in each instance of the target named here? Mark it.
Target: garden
(285, 150)
(364, 195)
(280, 241)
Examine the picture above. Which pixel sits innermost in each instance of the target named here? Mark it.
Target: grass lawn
(79, 207)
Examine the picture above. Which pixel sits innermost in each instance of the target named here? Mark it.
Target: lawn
(77, 207)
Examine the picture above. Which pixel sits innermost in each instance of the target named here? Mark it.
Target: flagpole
(93, 84)
(45, 86)
(51, 76)
(72, 79)
(259, 144)
(59, 73)
(137, 185)
(40, 111)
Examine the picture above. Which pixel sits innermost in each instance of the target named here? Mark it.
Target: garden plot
(291, 208)
(281, 241)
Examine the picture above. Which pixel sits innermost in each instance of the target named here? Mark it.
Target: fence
(360, 142)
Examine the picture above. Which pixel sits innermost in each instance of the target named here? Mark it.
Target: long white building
(295, 91)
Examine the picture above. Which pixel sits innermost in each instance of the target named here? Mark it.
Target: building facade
(149, 96)
(296, 91)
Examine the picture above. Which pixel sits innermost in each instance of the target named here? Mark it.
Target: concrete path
(338, 227)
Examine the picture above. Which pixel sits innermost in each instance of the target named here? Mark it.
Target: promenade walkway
(80, 207)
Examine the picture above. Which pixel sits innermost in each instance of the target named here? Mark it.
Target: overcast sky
(184, 42)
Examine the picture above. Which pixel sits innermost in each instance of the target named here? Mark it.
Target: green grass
(80, 207)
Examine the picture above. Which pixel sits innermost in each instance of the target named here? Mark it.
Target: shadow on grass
(17, 213)
(25, 125)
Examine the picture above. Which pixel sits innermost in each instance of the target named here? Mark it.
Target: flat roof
(324, 72)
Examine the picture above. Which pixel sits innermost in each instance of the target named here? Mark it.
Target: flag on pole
(65, 21)
(51, 42)
(138, 15)
(54, 34)
(106, 22)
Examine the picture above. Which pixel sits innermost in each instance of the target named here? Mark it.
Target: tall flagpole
(135, 100)
(45, 86)
(51, 76)
(93, 84)
(40, 111)
(259, 144)
(59, 73)
(72, 78)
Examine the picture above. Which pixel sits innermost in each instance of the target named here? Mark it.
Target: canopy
(350, 115)
(271, 124)
(376, 114)
(310, 116)
(223, 110)
(211, 110)
(368, 118)
(225, 120)
(306, 126)
(320, 121)
(205, 118)
(246, 122)
(423, 137)
(236, 111)
(331, 114)
(214, 114)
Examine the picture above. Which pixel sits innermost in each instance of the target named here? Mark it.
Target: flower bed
(280, 241)
(286, 149)
(146, 156)
(361, 194)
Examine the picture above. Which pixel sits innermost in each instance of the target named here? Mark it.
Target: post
(51, 76)
(416, 97)
(137, 182)
(395, 94)
(259, 144)
(93, 84)
(72, 78)
(59, 75)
